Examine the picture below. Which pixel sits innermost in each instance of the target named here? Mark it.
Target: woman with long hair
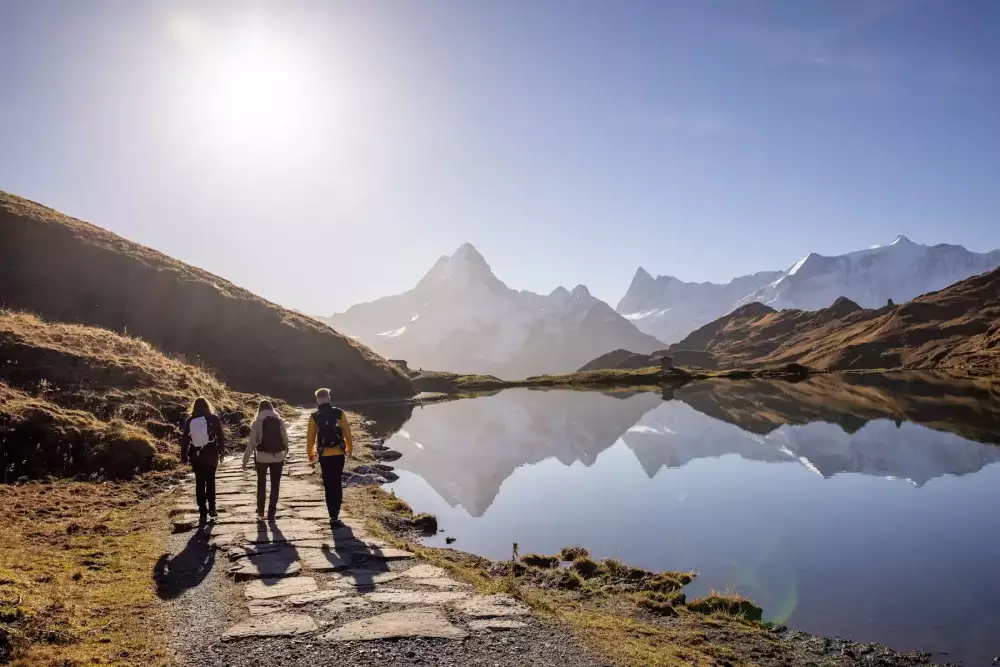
(268, 444)
(203, 444)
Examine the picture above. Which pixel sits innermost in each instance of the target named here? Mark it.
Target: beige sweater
(256, 431)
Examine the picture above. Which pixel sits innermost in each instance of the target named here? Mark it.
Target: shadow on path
(175, 574)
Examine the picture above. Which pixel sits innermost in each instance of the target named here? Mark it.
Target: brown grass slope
(957, 327)
(72, 271)
(77, 400)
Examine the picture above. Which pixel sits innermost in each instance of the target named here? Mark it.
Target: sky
(326, 153)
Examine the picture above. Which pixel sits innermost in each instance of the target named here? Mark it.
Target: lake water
(844, 508)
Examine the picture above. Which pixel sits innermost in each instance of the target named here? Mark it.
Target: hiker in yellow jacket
(331, 432)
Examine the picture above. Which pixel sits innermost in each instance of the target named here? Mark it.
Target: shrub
(567, 579)
(727, 603)
(664, 604)
(538, 560)
(585, 567)
(572, 553)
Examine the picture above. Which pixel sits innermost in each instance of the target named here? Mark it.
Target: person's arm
(220, 437)
(185, 440)
(284, 434)
(345, 428)
(252, 442)
(311, 440)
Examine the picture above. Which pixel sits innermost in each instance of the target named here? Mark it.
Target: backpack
(328, 433)
(270, 436)
(198, 428)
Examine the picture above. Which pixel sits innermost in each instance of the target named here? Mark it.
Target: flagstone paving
(302, 577)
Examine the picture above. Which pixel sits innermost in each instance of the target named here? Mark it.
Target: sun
(254, 90)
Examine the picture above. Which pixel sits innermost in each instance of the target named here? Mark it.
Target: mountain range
(460, 317)
(670, 309)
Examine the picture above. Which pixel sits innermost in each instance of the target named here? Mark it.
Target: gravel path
(293, 592)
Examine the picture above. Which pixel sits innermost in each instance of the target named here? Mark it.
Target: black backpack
(328, 432)
(270, 436)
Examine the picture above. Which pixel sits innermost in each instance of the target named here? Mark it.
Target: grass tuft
(538, 560)
(732, 604)
(572, 553)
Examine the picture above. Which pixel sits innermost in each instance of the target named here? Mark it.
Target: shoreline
(630, 616)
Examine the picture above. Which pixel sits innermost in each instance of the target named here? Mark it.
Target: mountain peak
(468, 253)
(902, 240)
(580, 290)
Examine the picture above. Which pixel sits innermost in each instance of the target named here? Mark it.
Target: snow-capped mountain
(462, 318)
(670, 309)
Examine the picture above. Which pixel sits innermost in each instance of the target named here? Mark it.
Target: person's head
(201, 407)
(265, 405)
(322, 396)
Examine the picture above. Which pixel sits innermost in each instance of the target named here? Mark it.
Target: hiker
(203, 444)
(330, 430)
(268, 444)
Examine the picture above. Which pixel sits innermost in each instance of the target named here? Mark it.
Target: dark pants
(204, 487)
(262, 468)
(333, 468)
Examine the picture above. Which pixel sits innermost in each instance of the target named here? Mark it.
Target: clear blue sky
(323, 153)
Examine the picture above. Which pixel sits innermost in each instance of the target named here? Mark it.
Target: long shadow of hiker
(175, 574)
(365, 564)
(274, 553)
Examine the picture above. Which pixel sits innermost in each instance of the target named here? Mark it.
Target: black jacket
(211, 453)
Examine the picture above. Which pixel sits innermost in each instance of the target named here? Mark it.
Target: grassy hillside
(77, 400)
(72, 271)
(956, 328)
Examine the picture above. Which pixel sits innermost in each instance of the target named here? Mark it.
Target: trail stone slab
(223, 541)
(266, 566)
(440, 582)
(486, 606)
(315, 596)
(364, 578)
(325, 560)
(416, 597)
(267, 589)
(425, 622)
(496, 624)
(424, 571)
(378, 553)
(262, 607)
(344, 604)
(268, 537)
(280, 624)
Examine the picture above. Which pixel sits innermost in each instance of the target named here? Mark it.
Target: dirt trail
(294, 592)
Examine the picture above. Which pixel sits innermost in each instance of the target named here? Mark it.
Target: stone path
(302, 579)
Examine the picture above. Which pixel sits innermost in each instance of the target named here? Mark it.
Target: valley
(505, 409)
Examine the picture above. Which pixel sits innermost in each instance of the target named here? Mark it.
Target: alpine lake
(851, 505)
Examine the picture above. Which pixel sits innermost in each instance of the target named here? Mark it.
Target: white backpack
(199, 432)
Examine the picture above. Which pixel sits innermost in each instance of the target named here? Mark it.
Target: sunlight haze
(326, 153)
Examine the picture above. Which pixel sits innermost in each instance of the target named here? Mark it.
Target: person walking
(203, 444)
(330, 430)
(268, 444)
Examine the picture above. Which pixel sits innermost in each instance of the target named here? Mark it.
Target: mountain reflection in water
(843, 504)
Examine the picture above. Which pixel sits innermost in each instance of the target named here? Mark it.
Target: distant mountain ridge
(957, 327)
(460, 317)
(670, 309)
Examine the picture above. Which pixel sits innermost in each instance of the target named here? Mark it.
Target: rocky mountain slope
(670, 309)
(72, 271)
(957, 327)
(460, 317)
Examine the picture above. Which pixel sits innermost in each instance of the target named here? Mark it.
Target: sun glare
(248, 89)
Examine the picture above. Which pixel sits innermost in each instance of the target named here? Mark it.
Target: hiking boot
(214, 514)
(203, 517)
(260, 517)
(336, 523)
